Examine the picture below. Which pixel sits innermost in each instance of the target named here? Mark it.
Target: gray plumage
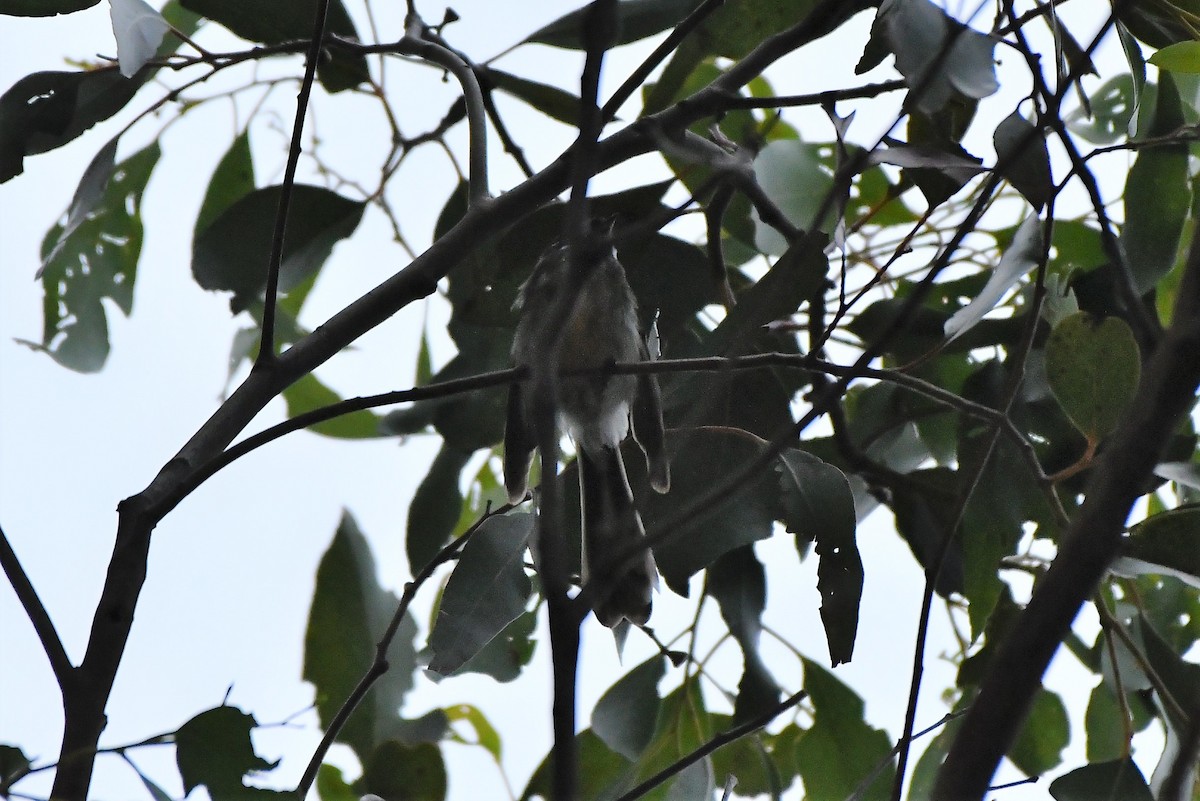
(596, 411)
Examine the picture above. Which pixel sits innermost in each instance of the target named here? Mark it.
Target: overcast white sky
(232, 568)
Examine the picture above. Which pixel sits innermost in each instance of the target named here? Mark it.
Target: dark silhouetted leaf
(435, 507)
(550, 100)
(12, 762)
(409, 772)
(349, 614)
(1117, 779)
(275, 21)
(43, 8)
(232, 180)
(739, 583)
(841, 748)
(231, 253)
(1093, 368)
(93, 257)
(46, 110)
(214, 749)
(486, 592)
(625, 716)
(818, 505)
(1166, 543)
(1023, 158)
(702, 461)
(637, 19)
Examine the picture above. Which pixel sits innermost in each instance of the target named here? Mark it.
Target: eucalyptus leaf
(487, 591)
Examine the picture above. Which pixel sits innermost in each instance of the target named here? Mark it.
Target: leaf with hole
(92, 257)
(819, 505)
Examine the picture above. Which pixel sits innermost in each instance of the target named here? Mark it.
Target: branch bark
(1166, 394)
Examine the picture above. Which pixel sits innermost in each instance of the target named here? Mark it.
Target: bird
(597, 410)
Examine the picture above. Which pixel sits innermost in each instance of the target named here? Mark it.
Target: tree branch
(43, 626)
(1165, 395)
(266, 349)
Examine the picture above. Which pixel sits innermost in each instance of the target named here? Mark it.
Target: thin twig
(266, 349)
(43, 626)
(636, 78)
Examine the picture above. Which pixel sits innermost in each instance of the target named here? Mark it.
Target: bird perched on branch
(597, 410)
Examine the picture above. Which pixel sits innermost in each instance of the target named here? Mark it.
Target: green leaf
(232, 180)
(508, 652)
(399, 771)
(601, 772)
(435, 508)
(1038, 747)
(841, 748)
(1104, 725)
(1179, 57)
(486, 592)
(485, 734)
(275, 21)
(332, 786)
(43, 8)
(309, 394)
(349, 614)
(1093, 368)
(731, 32)
(625, 716)
(93, 257)
(550, 100)
(1160, 25)
(819, 505)
(683, 726)
(1117, 779)
(1157, 195)
(231, 253)
(637, 20)
(739, 583)
(214, 749)
(1022, 154)
(1167, 543)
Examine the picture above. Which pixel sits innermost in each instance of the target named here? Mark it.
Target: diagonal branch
(1165, 395)
(60, 663)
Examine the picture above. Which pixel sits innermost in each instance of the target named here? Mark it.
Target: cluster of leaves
(1002, 372)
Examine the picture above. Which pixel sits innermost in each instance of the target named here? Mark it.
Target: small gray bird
(596, 411)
